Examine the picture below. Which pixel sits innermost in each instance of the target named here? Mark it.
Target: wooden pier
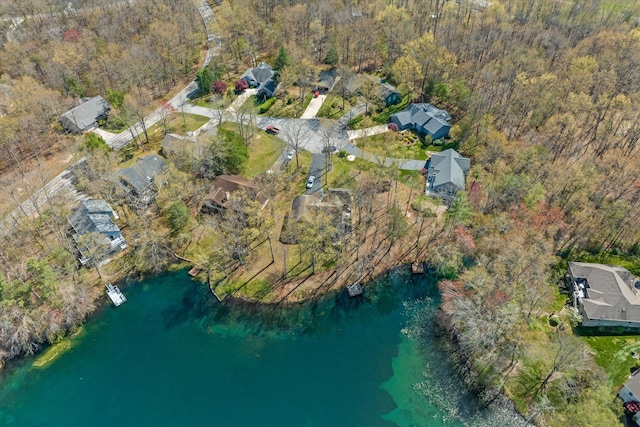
(417, 268)
(115, 295)
(354, 289)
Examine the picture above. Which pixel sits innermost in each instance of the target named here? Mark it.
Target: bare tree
(296, 133)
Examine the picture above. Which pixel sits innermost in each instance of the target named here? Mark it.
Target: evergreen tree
(282, 60)
(332, 57)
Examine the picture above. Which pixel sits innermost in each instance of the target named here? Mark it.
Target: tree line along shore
(543, 98)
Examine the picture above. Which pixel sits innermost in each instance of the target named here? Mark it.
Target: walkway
(361, 133)
(237, 103)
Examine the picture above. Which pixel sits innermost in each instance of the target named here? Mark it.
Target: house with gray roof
(387, 93)
(424, 118)
(262, 78)
(446, 173)
(85, 116)
(630, 391)
(605, 295)
(95, 216)
(137, 182)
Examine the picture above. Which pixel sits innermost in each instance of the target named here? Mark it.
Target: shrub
(264, 107)
(219, 87)
(342, 154)
(393, 127)
(554, 320)
(357, 119)
(241, 85)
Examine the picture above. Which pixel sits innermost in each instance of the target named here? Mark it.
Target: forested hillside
(544, 96)
(131, 53)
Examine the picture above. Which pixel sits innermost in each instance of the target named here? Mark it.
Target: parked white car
(311, 181)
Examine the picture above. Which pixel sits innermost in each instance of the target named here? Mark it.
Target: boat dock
(115, 295)
(417, 268)
(354, 289)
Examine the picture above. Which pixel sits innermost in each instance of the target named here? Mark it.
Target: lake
(173, 355)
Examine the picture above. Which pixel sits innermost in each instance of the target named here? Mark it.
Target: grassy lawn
(264, 149)
(334, 107)
(214, 101)
(613, 353)
(383, 116)
(179, 124)
(287, 108)
(393, 145)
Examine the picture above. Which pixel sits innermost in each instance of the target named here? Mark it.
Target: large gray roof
(86, 114)
(423, 115)
(449, 166)
(140, 176)
(93, 215)
(633, 384)
(610, 292)
(260, 74)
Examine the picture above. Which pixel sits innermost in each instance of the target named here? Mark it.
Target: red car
(273, 130)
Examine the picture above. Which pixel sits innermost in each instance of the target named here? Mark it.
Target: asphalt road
(316, 169)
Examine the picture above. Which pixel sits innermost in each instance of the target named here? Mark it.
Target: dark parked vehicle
(330, 149)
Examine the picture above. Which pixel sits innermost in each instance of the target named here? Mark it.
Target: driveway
(314, 106)
(309, 133)
(237, 103)
(316, 169)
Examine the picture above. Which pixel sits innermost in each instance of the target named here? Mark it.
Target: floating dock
(115, 295)
(354, 289)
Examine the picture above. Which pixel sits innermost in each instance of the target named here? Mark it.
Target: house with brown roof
(223, 187)
(605, 295)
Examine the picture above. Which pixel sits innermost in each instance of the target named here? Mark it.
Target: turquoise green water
(174, 356)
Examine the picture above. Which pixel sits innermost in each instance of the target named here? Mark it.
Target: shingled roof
(92, 215)
(139, 177)
(86, 115)
(606, 292)
(449, 167)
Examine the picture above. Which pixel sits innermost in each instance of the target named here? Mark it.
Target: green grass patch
(613, 353)
(257, 289)
(264, 150)
(383, 116)
(179, 124)
(334, 107)
(213, 101)
(393, 144)
(287, 108)
(631, 263)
